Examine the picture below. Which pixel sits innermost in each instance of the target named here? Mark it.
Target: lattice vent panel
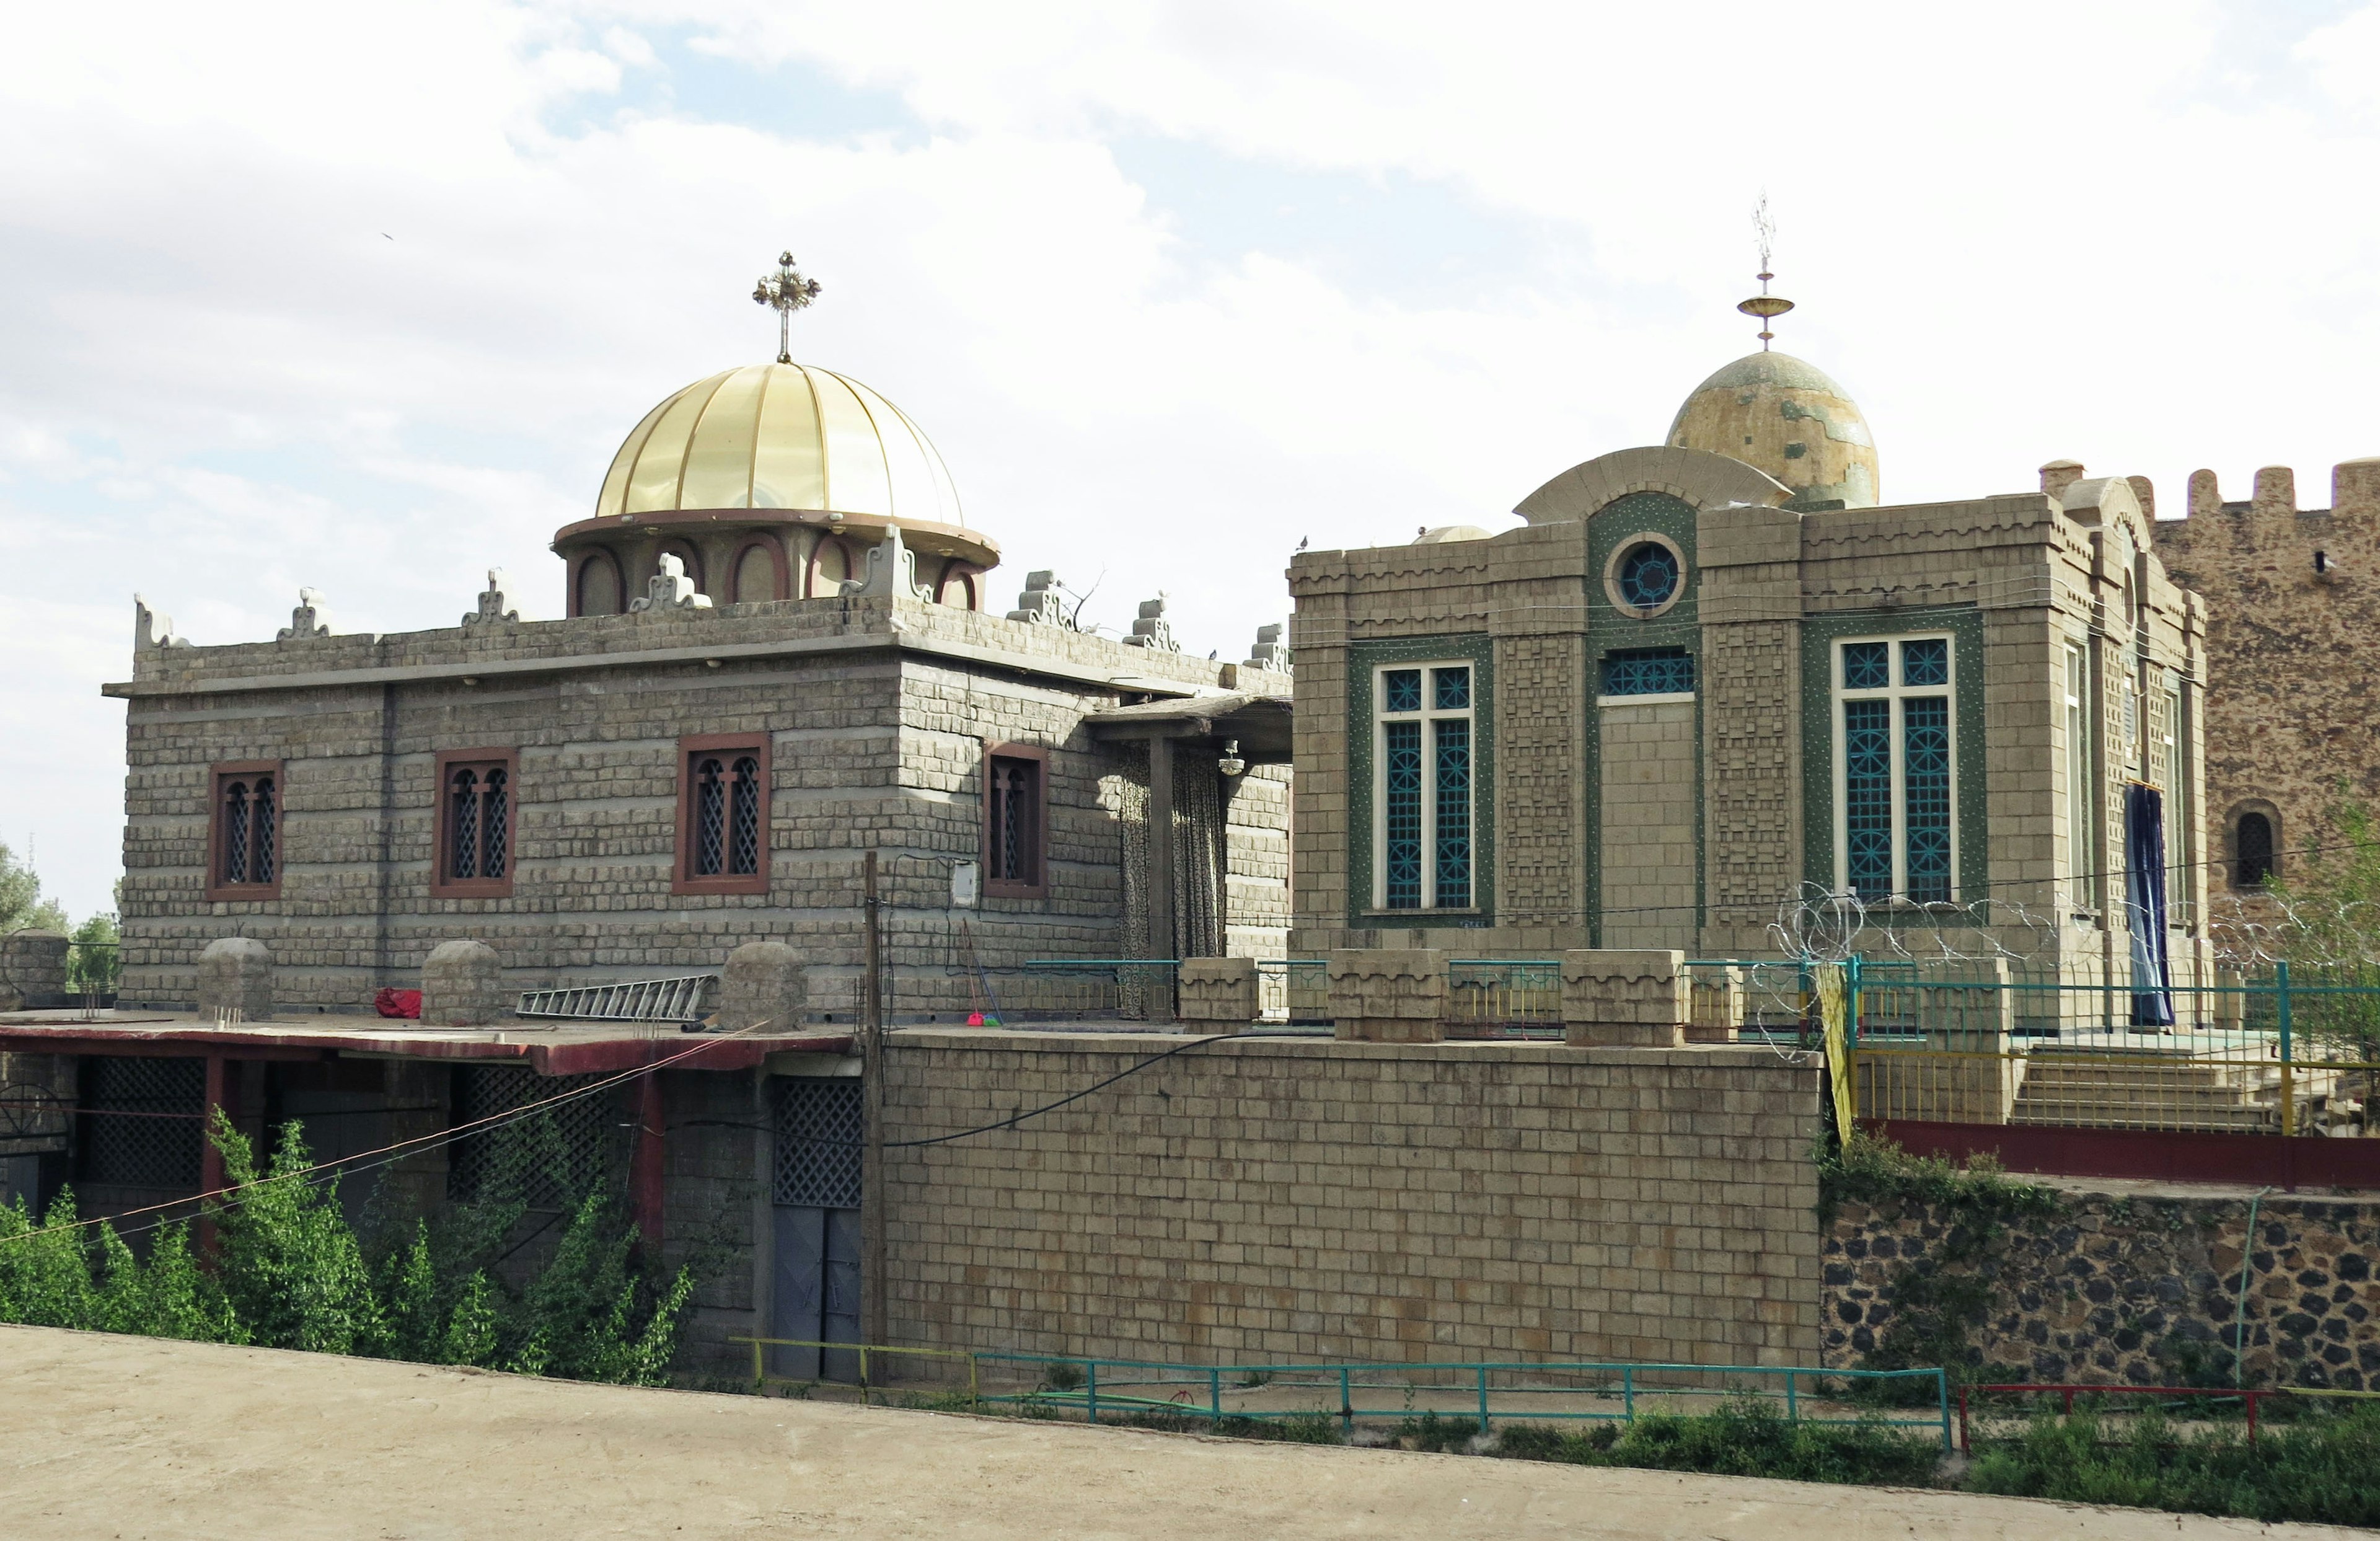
(547, 1158)
(143, 1128)
(818, 1130)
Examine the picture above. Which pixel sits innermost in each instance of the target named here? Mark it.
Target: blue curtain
(2144, 905)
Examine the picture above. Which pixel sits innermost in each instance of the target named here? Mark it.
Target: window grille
(1015, 847)
(819, 1128)
(1648, 576)
(1648, 671)
(144, 1127)
(743, 835)
(2080, 797)
(479, 817)
(1426, 746)
(552, 1156)
(723, 815)
(1898, 771)
(710, 817)
(248, 815)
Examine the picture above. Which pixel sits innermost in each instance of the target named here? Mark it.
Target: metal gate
(816, 1251)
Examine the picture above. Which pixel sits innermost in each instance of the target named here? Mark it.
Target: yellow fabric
(1834, 1018)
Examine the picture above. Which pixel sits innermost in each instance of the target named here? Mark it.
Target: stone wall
(878, 733)
(2128, 1288)
(1273, 1197)
(2293, 597)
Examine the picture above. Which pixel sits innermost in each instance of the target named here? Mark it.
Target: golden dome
(1784, 417)
(780, 436)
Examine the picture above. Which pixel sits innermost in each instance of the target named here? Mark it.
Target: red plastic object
(398, 1003)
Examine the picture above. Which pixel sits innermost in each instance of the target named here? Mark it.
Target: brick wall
(1302, 1199)
(1648, 825)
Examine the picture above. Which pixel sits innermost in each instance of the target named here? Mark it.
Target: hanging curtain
(2144, 905)
(1199, 852)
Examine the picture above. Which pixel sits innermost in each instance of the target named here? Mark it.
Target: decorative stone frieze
(763, 982)
(1220, 992)
(235, 975)
(1379, 996)
(669, 588)
(463, 986)
(1627, 998)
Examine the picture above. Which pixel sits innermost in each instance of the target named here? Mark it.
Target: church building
(1718, 684)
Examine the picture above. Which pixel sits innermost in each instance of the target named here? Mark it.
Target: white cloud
(365, 299)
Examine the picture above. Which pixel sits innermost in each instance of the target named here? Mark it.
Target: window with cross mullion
(1422, 720)
(723, 814)
(1896, 809)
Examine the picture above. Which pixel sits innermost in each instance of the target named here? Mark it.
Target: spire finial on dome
(1763, 304)
(785, 291)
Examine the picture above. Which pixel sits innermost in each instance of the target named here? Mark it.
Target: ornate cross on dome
(785, 291)
(1767, 307)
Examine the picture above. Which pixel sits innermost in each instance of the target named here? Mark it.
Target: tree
(21, 905)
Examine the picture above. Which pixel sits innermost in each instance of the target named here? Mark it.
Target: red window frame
(1036, 843)
(728, 747)
(817, 575)
(443, 884)
(217, 777)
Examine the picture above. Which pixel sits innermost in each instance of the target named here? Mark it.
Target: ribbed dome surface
(780, 436)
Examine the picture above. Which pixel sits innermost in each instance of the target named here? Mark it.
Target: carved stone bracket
(669, 588)
(496, 601)
(891, 570)
(310, 619)
(1152, 630)
(152, 628)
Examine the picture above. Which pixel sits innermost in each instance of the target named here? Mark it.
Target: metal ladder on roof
(680, 998)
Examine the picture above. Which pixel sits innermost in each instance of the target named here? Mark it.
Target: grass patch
(2321, 1467)
(1741, 1437)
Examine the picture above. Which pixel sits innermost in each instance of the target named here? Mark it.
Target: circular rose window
(1648, 575)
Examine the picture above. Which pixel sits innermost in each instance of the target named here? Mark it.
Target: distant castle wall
(2293, 697)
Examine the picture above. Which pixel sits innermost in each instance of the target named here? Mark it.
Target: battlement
(2354, 490)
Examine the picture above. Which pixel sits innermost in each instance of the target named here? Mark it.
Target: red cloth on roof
(398, 1002)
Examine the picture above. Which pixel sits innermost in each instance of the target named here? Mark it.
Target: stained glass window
(1400, 774)
(1648, 671)
(1925, 792)
(1898, 771)
(1454, 747)
(1866, 665)
(1867, 796)
(1648, 576)
(1426, 743)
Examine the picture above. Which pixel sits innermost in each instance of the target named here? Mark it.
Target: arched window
(758, 573)
(245, 831)
(475, 826)
(2252, 847)
(829, 566)
(957, 588)
(723, 814)
(599, 585)
(684, 551)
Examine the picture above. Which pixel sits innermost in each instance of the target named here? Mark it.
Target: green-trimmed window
(1896, 770)
(1422, 715)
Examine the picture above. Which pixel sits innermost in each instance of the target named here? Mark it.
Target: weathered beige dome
(780, 436)
(1780, 415)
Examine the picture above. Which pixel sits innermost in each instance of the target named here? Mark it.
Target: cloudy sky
(363, 299)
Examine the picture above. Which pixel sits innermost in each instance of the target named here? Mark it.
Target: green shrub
(2318, 1469)
(1741, 1437)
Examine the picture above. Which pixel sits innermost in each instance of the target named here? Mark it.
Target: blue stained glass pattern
(1453, 745)
(1866, 665)
(1453, 688)
(1648, 671)
(1401, 756)
(1648, 576)
(1867, 795)
(1927, 663)
(1926, 786)
(1400, 690)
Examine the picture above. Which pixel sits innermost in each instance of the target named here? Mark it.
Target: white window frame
(2081, 790)
(1381, 718)
(1897, 693)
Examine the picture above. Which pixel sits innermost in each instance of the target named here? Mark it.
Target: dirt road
(104, 1437)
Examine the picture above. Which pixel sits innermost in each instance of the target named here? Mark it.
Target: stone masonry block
(1383, 996)
(1219, 990)
(32, 970)
(235, 974)
(463, 986)
(764, 981)
(1625, 997)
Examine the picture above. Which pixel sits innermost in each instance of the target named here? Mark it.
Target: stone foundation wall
(2129, 1289)
(1271, 1197)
